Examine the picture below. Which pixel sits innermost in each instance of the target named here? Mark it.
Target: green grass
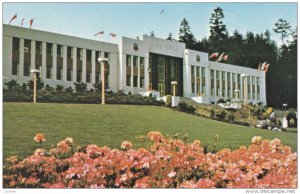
(111, 124)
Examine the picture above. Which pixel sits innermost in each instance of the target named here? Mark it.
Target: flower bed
(168, 163)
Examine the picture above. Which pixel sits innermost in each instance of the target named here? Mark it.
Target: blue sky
(134, 19)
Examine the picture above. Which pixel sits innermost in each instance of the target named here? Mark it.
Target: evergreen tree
(218, 31)
(202, 45)
(185, 35)
(283, 28)
(170, 37)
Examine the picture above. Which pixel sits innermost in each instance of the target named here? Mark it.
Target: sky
(136, 19)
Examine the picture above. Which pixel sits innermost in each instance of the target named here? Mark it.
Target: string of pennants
(22, 22)
(31, 22)
(217, 58)
(263, 66)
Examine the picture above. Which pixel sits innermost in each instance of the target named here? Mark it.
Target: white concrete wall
(117, 59)
(53, 38)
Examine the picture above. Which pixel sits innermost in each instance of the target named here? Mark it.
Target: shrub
(169, 163)
(221, 101)
(184, 107)
(80, 86)
(12, 85)
(69, 90)
(49, 88)
(59, 88)
(220, 114)
(229, 116)
(168, 101)
(39, 84)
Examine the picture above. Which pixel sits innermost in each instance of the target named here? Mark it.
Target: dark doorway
(163, 70)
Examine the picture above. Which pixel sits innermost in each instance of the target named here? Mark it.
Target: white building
(134, 66)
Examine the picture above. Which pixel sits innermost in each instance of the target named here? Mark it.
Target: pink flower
(155, 136)
(39, 138)
(256, 140)
(171, 174)
(126, 145)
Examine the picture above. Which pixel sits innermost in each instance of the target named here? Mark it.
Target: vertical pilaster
(64, 76)
(74, 64)
(250, 77)
(139, 74)
(93, 66)
(215, 83)
(255, 85)
(83, 65)
(131, 72)
(226, 86)
(44, 55)
(54, 61)
(21, 56)
(201, 84)
(231, 86)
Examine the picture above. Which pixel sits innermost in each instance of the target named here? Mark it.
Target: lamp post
(236, 91)
(245, 87)
(174, 83)
(34, 71)
(102, 61)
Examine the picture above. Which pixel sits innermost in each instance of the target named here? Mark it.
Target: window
(142, 82)
(59, 51)
(142, 62)
(16, 44)
(88, 77)
(15, 68)
(70, 52)
(135, 61)
(79, 53)
(79, 76)
(258, 88)
(253, 87)
(88, 55)
(26, 69)
(228, 85)
(128, 80)
(69, 74)
(212, 83)
(128, 60)
(135, 81)
(27, 46)
(106, 55)
(59, 72)
(38, 48)
(49, 49)
(49, 72)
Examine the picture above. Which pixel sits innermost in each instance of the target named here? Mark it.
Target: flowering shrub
(168, 163)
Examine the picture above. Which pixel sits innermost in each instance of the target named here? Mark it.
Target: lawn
(112, 124)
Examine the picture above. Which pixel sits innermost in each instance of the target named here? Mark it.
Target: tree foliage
(185, 34)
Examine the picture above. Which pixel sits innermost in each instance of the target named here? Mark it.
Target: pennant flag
(162, 11)
(99, 33)
(267, 67)
(258, 68)
(220, 58)
(225, 57)
(112, 34)
(22, 21)
(30, 23)
(214, 55)
(14, 17)
(263, 66)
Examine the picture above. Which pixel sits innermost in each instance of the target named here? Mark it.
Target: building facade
(134, 65)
